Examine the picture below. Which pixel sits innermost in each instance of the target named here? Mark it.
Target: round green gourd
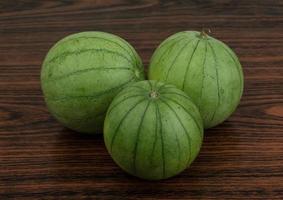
(205, 68)
(82, 73)
(153, 130)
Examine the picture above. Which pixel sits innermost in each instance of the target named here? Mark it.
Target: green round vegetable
(203, 67)
(153, 130)
(82, 73)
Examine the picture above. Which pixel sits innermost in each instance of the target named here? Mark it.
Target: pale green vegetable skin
(82, 73)
(153, 130)
(205, 68)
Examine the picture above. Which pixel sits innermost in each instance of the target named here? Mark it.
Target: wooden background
(240, 159)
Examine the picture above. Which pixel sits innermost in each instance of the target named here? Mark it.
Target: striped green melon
(153, 130)
(205, 68)
(82, 73)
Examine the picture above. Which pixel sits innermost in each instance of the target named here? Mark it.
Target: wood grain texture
(240, 159)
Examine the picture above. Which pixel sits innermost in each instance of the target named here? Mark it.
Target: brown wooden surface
(240, 159)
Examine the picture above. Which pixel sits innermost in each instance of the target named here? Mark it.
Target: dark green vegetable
(153, 130)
